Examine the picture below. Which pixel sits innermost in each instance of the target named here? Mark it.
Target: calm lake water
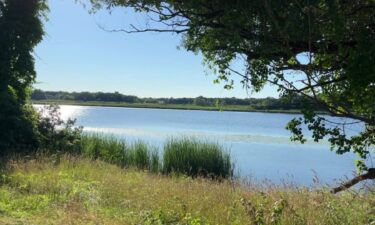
(258, 142)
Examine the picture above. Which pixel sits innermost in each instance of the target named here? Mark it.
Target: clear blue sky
(76, 55)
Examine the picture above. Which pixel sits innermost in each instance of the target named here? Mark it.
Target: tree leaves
(336, 37)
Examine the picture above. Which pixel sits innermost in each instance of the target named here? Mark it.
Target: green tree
(323, 50)
(202, 101)
(21, 30)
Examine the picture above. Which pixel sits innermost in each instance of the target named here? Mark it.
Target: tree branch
(137, 30)
(320, 84)
(369, 175)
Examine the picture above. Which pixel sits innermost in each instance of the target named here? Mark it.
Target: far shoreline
(230, 108)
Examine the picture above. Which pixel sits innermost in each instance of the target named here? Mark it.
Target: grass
(84, 191)
(116, 151)
(194, 158)
(186, 156)
(235, 108)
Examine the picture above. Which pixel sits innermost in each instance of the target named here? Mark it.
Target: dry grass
(80, 191)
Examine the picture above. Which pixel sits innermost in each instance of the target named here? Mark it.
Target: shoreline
(230, 108)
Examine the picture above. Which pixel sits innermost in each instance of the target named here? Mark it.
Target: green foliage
(18, 128)
(295, 102)
(196, 158)
(201, 101)
(48, 134)
(56, 135)
(323, 50)
(21, 30)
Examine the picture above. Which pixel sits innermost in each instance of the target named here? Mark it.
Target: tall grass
(196, 158)
(187, 156)
(120, 152)
(81, 191)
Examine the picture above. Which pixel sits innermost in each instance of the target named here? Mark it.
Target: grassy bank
(76, 190)
(235, 108)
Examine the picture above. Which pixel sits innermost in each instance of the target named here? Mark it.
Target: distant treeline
(269, 103)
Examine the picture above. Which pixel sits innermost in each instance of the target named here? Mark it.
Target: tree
(38, 95)
(202, 101)
(322, 50)
(21, 30)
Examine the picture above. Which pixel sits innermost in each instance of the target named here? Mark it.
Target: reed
(193, 157)
(186, 156)
(119, 152)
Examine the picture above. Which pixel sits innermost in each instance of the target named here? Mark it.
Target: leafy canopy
(323, 50)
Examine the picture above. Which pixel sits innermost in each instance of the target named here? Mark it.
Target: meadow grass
(83, 191)
(184, 155)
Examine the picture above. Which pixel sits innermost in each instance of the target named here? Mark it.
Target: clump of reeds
(186, 156)
(120, 152)
(196, 158)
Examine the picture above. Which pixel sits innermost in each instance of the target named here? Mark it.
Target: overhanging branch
(137, 30)
(369, 175)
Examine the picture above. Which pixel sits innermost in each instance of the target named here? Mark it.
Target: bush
(18, 126)
(56, 135)
(25, 130)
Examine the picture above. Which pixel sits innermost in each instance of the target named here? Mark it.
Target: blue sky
(76, 55)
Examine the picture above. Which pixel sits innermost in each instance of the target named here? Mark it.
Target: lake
(258, 142)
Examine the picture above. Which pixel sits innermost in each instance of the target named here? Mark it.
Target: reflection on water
(258, 142)
(72, 112)
(67, 111)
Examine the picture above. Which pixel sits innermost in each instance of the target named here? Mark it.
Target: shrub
(55, 134)
(18, 127)
(25, 130)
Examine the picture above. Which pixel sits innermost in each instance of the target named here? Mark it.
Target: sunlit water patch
(68, 111)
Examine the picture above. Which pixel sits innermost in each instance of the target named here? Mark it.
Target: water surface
(258, 142)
